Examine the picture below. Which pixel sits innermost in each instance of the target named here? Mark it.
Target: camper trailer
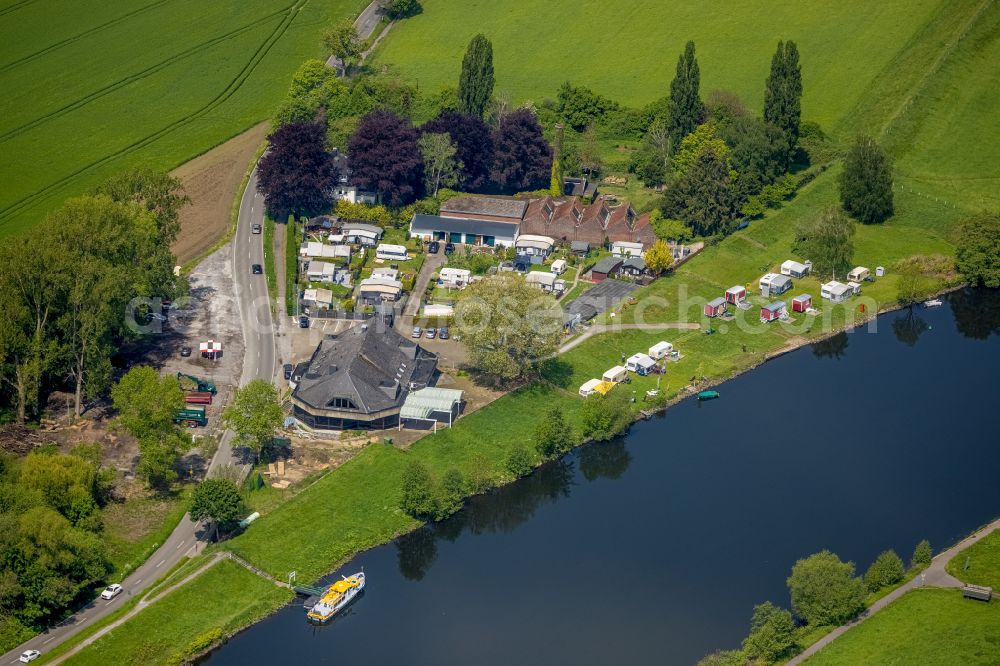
(661, 349)
(795, 269)
(835, 292)
(616, 375)
(774, 284)
(641, 364)
(858, 274)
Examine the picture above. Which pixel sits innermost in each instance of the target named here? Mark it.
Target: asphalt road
(190, 537)
(365, 25)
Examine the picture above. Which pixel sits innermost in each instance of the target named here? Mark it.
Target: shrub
(772, 633)
(825, 590)
(604, 417)
(418, 499)
(519, 462)
(553, 435)
(977, 256)
(887, 569)
(922, 554)
(451, 493)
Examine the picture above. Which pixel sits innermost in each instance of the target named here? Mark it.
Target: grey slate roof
(607, 265)
(637, 263)
(498, 206)
(604, 295)
(579, 246)
(425, 224)
(373, 368)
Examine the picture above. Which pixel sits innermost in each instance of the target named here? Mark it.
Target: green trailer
(192, 416)
(193, 384)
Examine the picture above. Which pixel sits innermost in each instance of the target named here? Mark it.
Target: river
(653, 549)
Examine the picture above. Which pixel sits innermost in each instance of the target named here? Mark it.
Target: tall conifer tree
(783, 93)
(475, 85)
(684, 106)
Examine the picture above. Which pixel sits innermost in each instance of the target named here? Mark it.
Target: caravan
(391, 252)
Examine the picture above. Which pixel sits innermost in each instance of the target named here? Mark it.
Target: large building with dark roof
(359, 379)
(500, 209)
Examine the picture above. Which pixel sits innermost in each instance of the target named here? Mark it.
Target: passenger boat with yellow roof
(337, 597)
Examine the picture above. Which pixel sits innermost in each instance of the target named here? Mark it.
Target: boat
(337, 597)
(933, 303)
(708, 395)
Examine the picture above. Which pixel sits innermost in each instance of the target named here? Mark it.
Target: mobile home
(795, 269)
(774, 284)
(772, 311)
(588, 387)
(715, 307)
(391, 252)
(627, 249)
(542, 280)
(558, 266)
(454, 277)
(736, 295)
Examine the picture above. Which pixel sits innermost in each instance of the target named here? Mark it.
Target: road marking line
(179, 545)
(161, 563)
(138, 581)
(47, 640)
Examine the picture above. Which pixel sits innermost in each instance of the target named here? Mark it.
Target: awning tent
(423, 404)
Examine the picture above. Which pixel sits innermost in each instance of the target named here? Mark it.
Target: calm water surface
(654, 548)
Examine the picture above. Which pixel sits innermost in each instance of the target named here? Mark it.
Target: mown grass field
(628, 51)
(91, 88)
(979, 564)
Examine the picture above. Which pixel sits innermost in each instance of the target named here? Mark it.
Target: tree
(402, 9)
(605, 417)
(685, 107)
(519, 462)
(977, 256)
(473, 146)
(828, 242)
(580, 106)
(659, 257)
(866, 182)
(342, 42)
(475, 84)
(772, 633)
(758, 153)
(156, 191)
(507, 326)
(254, 414)
(887, 569)
(703, 196)
(724, 658)
(522, 159)
(451, 495)
(724, 107)
(922, 554)
(553, 434)
(296, 173)
(652, 161)
(590, 151)
(825, 590)
(418, 497)
(440, 166)
(218, 500)
(703, 137)
(556, 181)
(783, 94)
(69, 484)
(385, 157)
(912, 283)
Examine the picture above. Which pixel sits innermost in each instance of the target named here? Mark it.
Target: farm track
(234, 85)
(16, 6)
(86, 33)
(138, 76)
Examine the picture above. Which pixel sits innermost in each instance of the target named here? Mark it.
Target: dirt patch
(211, 180)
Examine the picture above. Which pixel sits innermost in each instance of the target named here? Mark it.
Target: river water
(653, 549)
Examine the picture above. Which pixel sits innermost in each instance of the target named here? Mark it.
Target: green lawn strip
(270, 270)
(924, 626)
(979, 564)
(227, 597)
(292, 235)
(129, 538)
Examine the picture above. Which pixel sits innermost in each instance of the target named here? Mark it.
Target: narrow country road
(365, 25)
(607, 328)
(934, 576)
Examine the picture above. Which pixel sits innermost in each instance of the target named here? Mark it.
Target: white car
(29, 655)
(111, 591)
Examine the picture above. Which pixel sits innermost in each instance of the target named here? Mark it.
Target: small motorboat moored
(708, 395)
(337, 597)
(933, 303)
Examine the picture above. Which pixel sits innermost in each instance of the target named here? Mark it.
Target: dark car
(303, 322)
(434, 247)
(185, 351)
(449, 248)
(256, 269)
(443, 333)
(287, 369)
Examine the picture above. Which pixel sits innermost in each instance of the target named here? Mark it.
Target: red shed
(736, 295)
(772, 311)
(801, 303)
(715, 307)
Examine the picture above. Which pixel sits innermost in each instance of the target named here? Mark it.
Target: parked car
(434, 247)
(416, 332)
(255, 229)
(185, 351)
(303, 322)
(287, 369)
(449, 248)
(256, 269)
(443, 333)
(431, 333)
(111, 591)
(29, 655)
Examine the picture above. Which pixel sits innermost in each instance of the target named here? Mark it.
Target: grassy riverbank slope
(91, 88)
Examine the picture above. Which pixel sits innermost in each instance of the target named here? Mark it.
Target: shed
(801, 303)
(455, 277)
(661, 349)
(879, 271)
(796, 269)
(736, 295)
(858, 274)
(615, 374)
(772, 311)
(587, 388)
(580, 248)
(836, 292)
(558, 266)
(641, 364)
(715, 307)
(605, 267)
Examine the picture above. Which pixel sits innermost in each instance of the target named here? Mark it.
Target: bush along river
(653, 548)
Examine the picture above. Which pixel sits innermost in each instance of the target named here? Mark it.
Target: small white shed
(616, 374)
(661, 349)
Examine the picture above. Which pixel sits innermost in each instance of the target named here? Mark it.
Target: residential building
(345, 189)
(633, 268)
(320, 299)
(321, 271)
(374, 290)
(360, 379)
(569, 220)
(464, 230)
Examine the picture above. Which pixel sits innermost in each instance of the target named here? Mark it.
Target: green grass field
(628, 52)
(979, 564)
(91, 88)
